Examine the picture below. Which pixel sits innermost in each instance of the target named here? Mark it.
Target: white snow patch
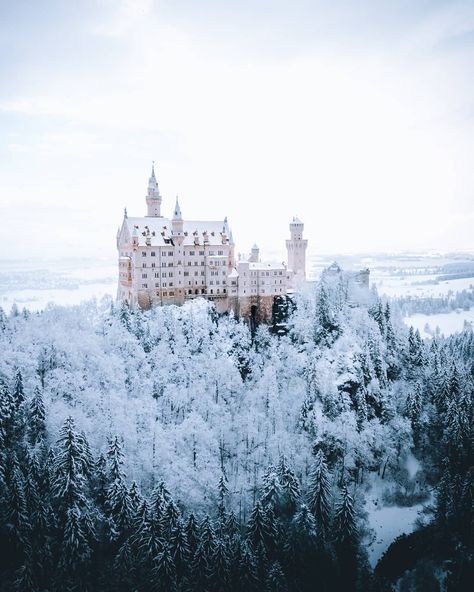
(448, 323)
(388, 523)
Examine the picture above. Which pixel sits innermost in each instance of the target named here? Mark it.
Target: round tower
(296, 247)
(255, 254)
(153, 197)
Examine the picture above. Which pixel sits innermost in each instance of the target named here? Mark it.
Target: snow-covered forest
(175, 449)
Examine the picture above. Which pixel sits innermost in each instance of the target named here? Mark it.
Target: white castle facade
(171, 260)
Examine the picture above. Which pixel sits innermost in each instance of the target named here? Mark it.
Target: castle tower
(177, 225)
(255, 254)
(296, 247)
(153, 197)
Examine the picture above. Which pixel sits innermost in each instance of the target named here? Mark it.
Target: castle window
(144, 275)
(203, 273)
(211, 282)
(143, 264)
(153, 253)
(212, 252)
(170, 274)
(220, 252)
(164, 284)
(157, 284)
(163, 264)
(171, 283)
(186, 273)
(165, 293)
(171, 293)
(195, 273)
(202, 262)
(192, 253)
(201, 253)
(224, 290)
(143, 253)
(145, 285)
(189, 263)
(163, 274)
(195, 263)
(170, 253)
(153, 264)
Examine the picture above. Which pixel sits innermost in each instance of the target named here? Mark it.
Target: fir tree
(164, 571)
(257, 527)
(319, 495)
(37, 416)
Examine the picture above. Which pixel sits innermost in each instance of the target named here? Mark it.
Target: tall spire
(153, 197)
(153, 189)
(177, 211)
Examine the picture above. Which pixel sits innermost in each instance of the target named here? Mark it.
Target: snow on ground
(388, 523)
(424, 286)
(33, 284)
(447, 323)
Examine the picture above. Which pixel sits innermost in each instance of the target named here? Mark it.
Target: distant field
(33, 284)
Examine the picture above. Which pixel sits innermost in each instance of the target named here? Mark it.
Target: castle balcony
(207, 296)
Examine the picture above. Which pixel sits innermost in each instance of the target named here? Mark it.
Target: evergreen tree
(257, 527)
(276, 581)
(345, 529)
(37, 417)
(164, 571)
(319, 495)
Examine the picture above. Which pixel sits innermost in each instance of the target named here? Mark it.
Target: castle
(171, 260)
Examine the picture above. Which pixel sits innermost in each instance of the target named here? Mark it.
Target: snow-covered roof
(158, 230)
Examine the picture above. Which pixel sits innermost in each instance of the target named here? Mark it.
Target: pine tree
(192, 534)
(271, 488)
(37, 417)
(276, 581)
(164, 571)
(248, 569)
(207, 537)
(71, 466)
(319, 495)
(223, 491)
(413, 409)
(179, 548)
(219, 568)
(199, 570)
(257, 527)
(290, 486)
(345, 528)
(18, 390)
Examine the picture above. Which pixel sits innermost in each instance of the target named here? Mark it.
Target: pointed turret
(177, 211)
(153, 197)
(177, 224)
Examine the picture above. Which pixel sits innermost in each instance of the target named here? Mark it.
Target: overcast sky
(357, 116)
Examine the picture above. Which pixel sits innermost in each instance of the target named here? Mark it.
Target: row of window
(190, 253)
